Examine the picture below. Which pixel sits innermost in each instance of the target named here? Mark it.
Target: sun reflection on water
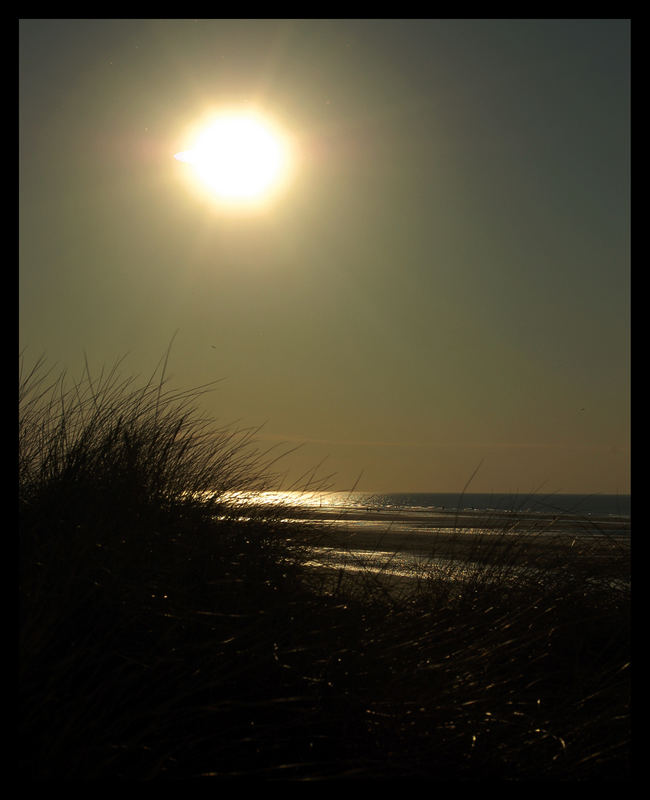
(284, 498)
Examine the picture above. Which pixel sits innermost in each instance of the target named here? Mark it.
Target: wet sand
(368, 528)
(371, 540)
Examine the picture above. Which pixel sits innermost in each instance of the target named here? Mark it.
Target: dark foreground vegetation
(165, 636)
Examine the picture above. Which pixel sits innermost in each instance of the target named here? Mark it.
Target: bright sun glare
(238, 157)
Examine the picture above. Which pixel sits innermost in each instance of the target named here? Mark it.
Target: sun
(239, 157)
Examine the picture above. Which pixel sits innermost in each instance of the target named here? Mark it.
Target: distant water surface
(375, 526)
(581, 505)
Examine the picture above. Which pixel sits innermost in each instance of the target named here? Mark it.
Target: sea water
(594, 505)
(609, 508)
(377, 522)
(374, 526)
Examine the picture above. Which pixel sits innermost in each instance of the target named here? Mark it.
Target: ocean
(594, 505)
(611, 510)
(394, 532)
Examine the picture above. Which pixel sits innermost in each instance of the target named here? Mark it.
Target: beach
(402, 545)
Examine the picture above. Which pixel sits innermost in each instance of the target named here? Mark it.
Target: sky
(442, 285)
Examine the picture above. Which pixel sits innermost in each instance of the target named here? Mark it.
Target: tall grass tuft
(168, 632)
(129, 527)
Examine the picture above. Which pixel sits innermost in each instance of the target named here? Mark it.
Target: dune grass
(165, 634)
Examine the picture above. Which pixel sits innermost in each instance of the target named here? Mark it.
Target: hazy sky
(446, 280)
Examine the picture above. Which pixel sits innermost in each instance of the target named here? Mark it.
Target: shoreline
(431, 520)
